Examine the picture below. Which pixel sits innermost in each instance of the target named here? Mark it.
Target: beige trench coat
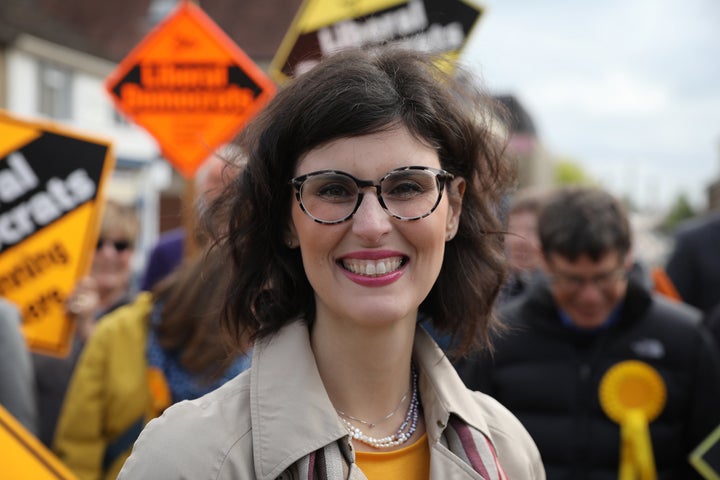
(265, 423)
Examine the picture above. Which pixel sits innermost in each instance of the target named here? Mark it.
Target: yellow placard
(51, 197)
(22, 456)
(319, 14)
(322, 27)
(706, 457)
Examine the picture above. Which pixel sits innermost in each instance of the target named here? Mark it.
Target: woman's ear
(455, 191)
(290, 237)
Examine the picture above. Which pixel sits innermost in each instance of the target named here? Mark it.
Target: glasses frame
(602, 281)
(120, 246)
(441, 179)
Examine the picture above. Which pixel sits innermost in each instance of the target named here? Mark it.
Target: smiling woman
(367, 202)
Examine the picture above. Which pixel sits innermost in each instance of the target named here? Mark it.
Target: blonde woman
(104, 289)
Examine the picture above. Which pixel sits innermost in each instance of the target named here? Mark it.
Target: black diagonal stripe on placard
(306, 48)
(132, 76)
(237, 76)
(54, 155)
(65, 168)
(437, 13)
(31, 449)
(444, 12)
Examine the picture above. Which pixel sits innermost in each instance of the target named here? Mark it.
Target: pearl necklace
(403, 434)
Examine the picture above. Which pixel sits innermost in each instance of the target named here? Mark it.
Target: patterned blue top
(183, 384)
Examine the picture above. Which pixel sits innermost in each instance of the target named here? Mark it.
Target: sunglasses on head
(118, 245)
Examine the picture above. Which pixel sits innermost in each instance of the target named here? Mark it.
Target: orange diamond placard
(189, 86)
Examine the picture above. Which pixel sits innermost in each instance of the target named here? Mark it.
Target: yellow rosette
(633, 394)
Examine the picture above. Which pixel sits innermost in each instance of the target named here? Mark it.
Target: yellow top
(411, 462)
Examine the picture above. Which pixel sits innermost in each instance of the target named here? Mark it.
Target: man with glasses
(588, 316)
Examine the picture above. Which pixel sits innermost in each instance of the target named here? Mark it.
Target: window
(55, 91)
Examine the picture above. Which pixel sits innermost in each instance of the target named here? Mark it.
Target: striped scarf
(335, 461)
(474, 448)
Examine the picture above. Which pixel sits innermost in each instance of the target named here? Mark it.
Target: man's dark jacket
(694, 264)
(548, 375)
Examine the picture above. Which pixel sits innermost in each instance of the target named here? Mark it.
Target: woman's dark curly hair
(350, 94)
(191, 298)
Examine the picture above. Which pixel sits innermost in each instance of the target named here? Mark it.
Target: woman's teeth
(372, 267)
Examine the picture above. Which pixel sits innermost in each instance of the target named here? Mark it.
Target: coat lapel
(291, 413)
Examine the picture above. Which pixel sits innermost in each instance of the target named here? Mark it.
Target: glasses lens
(410, 193)
(329, 197)
(121, 245)
(603, 281)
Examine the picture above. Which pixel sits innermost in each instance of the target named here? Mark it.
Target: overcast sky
(628, 88)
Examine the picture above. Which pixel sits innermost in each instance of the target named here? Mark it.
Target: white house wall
(92, 109)
(21, 87)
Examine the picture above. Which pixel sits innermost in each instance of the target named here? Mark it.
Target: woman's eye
(335, 191)
(405, 189)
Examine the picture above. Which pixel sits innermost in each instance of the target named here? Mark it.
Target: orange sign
(24, 456)
(51, 186)
(189, 86)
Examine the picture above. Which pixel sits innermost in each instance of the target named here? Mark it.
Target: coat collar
(290, 411)
(292, 415)
(441, 390)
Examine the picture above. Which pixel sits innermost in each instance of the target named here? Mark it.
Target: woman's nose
(106, 249)
(371, 221)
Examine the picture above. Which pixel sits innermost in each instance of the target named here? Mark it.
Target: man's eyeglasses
(575, 283)
(119, 245)
(407, 193)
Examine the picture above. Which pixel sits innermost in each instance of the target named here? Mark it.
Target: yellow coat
(108, 392)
